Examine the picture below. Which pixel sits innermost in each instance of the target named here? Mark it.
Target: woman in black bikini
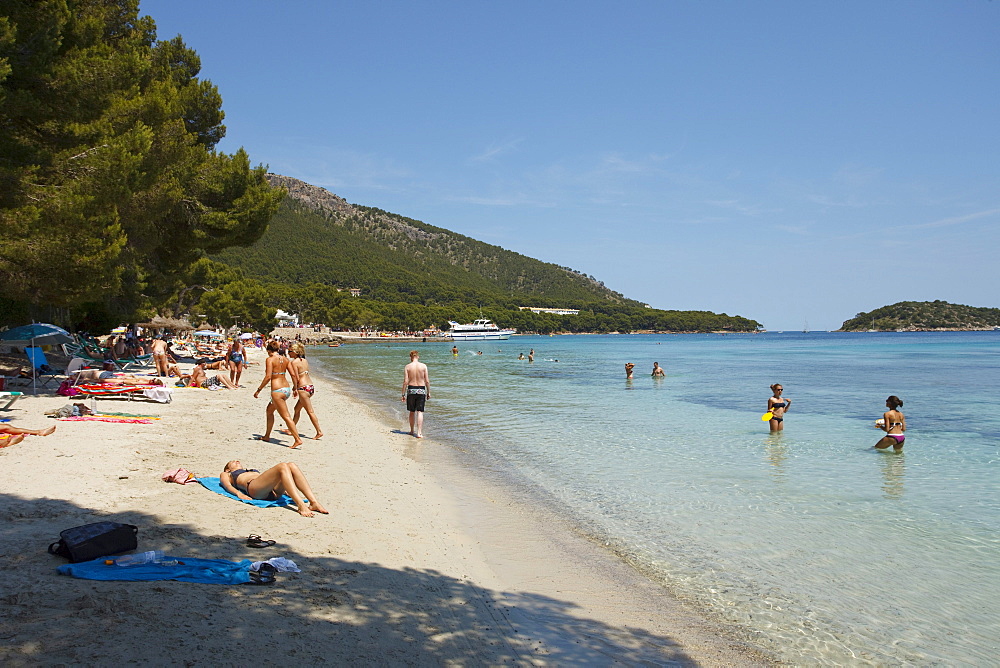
(776, 406)
(284, 478)
(893, 424)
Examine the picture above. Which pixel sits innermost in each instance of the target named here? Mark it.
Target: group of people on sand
(892, 422)
(286, 477)
(301, 388)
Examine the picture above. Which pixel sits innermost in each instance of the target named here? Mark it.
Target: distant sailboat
(805, 327)
(873, 326)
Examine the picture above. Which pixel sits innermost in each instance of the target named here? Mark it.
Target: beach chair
(107, 391)
(42, 369)
(10, 398)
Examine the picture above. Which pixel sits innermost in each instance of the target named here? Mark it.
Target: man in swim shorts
(416, 392)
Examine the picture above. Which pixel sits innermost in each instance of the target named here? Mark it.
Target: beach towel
(208, 571)
(102, 418)
(163, 395)
(214, 485)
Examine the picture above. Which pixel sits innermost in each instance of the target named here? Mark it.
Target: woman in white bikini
(297, 351)
(776, 406)
(893, 424)
(274, 372)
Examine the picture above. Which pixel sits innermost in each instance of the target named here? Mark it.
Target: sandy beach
(419, 563)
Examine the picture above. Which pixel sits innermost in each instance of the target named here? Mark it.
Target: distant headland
(935, 316)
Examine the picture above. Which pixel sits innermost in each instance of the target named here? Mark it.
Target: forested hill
(923, 316)
(319, 237)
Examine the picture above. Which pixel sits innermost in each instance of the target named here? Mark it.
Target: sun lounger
(96, 391)
(157, 393)
(10, 398)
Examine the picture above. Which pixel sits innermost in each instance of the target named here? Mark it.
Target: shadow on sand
(335, 611)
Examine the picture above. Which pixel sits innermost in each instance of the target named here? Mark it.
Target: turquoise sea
(827, 551)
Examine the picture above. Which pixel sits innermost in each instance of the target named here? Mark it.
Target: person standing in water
(893, 424)
(777, 406)
(657, 370)
(416, 392)
(628, 370)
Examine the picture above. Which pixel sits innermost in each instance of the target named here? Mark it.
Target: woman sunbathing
(14, 431)
(284, 478)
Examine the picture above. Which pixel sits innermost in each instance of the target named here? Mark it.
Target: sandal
(264, 576)
(256, 541)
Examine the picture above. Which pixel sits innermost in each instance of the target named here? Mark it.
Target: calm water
(830, 551)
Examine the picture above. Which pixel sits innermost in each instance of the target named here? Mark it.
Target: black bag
(99, 539)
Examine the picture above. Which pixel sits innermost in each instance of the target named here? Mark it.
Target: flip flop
(256, 541)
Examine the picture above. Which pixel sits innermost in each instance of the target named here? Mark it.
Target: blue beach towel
(208, 571)
(214, 485)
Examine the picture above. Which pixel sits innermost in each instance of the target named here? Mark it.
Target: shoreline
(420, 561)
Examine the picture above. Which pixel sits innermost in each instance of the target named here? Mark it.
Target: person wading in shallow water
(893, 424)
(776, 406)
(416, 391)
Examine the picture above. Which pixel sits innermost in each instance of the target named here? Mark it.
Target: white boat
(479, 330)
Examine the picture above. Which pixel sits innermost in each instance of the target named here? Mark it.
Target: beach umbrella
(118, 330)
(205, 332)
(247, 336)
(37, 334)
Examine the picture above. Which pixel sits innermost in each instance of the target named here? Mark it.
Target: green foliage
(393, 258)
(242, 302)
(107, 162)
(924, 316)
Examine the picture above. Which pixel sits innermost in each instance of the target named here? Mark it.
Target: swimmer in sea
(893, 424)
(454, 351)
(777, 406)
(628, 370)
(657, 370)
(521, 356)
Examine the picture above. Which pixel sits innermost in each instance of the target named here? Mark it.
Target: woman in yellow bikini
(297, 351)
(274, 372)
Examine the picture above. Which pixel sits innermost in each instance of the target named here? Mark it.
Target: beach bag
(90, 541)
(180, 476)
(66, 389)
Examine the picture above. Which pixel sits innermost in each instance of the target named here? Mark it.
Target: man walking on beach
(416, 391)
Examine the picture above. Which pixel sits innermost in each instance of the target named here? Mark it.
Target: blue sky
(790, 162)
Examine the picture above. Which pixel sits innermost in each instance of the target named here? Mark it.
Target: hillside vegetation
(413, 275)
(923, 316)
(316, 236)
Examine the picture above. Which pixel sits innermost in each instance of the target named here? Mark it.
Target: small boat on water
(479, 330)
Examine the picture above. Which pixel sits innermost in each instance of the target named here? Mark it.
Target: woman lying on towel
(284, 478)
(12, 435)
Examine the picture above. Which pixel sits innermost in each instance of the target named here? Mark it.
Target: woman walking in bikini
(297, 351)
(274, 372)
